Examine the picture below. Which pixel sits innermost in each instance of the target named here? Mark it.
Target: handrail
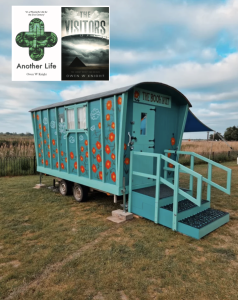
(174, 186)
(208, 180)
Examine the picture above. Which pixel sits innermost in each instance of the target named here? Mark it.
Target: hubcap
(63, 187)
(78, 193)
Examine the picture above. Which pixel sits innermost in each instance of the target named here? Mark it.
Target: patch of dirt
(14, 263)
(99, 296)
(199, 259)
(123, 295)
(28, 234)
(170, 251)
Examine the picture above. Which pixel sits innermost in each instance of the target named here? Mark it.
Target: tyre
(80, 192)
(65, 187)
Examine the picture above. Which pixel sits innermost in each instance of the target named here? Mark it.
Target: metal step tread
(204, 218)
(183, 205)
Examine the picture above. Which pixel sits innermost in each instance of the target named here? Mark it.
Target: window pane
(70, 119)
(81, 117)
(143, 124)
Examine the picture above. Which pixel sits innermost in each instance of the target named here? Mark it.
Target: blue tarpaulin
(193, 124)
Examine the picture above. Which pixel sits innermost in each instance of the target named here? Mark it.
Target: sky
(190, 45)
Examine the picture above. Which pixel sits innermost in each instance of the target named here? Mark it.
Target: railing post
(191, 176)
(157, 206)
(165, 167)
(175, 198)
(209, 177)
(130, 182)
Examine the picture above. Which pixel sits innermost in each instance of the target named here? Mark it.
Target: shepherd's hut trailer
(130, 135)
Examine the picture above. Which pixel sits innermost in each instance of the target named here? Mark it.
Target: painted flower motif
(41, 150)
(81, 158)
(39, 126)
(53, 155)
(94, 168)
(57, 165)
(75, 165)
(99, 125)
(109, 105)
(82, 149)
(100, 175)
(40, 134)
(71, 155)
(37, 117)
(113, 156)
(66, 159)
(111, 136)
(72, 140)
(113, 176)
(107, 149)
(98, 145)
(48, 135)
(86, 143)
(108, 164)
(108, 117)
(48, 154)
(62, 153)
(170, 165)
(99, 159)
(125, 146)
(45, 121)
(94, 150)
(56, 150)
(82, 169)
(39, 145)
(113, 125)
(127, 161)
(81, 138)
(86, 154)
(52, 124)
(169, 154)
(172, 141)
(46, 162)
(119, 100)
(136, 94)
(44, 128)
(39, 154)
(42, 161)
(44, 141)
(62, 166)
(48, 146)
(95, 114)
(92, 128)
(53, 142)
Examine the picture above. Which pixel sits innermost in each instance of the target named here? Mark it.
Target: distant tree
(231, 133)
(216, 136)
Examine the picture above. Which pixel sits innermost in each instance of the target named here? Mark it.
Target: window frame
(75, 108)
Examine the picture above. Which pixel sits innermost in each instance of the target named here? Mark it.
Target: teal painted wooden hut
(134, 133)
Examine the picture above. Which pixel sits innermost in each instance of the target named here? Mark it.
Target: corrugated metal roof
(169, 90)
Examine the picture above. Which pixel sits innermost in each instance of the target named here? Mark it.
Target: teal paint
(209, 177)
(57, 135)
(116, 136)
(102, 140)
(183, 113)
(175, 200)
(89, 143)
(157, 191)
(49, 137)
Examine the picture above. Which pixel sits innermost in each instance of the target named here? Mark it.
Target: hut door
(143, 136)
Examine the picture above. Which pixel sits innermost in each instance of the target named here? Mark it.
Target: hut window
(81, 117)
(70, 119)
(143, 124)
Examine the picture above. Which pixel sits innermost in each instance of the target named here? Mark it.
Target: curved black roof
(152, 86)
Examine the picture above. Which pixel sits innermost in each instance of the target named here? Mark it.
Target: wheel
(80, 192)
(65, 187)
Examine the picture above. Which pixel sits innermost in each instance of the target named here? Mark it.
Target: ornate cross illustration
(36, 39)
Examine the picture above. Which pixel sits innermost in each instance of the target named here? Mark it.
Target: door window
(143, 124)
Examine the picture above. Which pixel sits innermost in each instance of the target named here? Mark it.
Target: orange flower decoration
(39, 145)
(173, 141)
(109, 105)
(113, 156)
(46, 162)
(39, 154)
(62, 166)
(56, 150)
(100, 175)
(81, 158)
(71, 155)
(171, 165)
(53, 142)
(42, 150)
(86, 143)
(53, 155)
(82, 149)
(119, 100)
(107, 149)
(33, 116)
(48, 146)
(75, 165)
(62, 153)
(113, 176)
(57, 165)
(111, 136)
(113, 125)
(94, 150)
(136, 94)
(65, 159)
(94, 168)
(44, 141)
(44, 128)
(127, 161)
(99, 125)
(40, 134)
(42, 161)
(108, 164)
(48, 135)
(125, 146)
(98, 158)
(82, 169)
(169, 154)
(107, 117)
(98, 145)
(39, 126)
(48, 154)
(37, 117)
(86, 154)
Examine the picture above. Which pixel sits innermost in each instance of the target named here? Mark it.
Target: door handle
(131, 138)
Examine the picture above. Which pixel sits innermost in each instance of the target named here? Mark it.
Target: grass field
(54, 248)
